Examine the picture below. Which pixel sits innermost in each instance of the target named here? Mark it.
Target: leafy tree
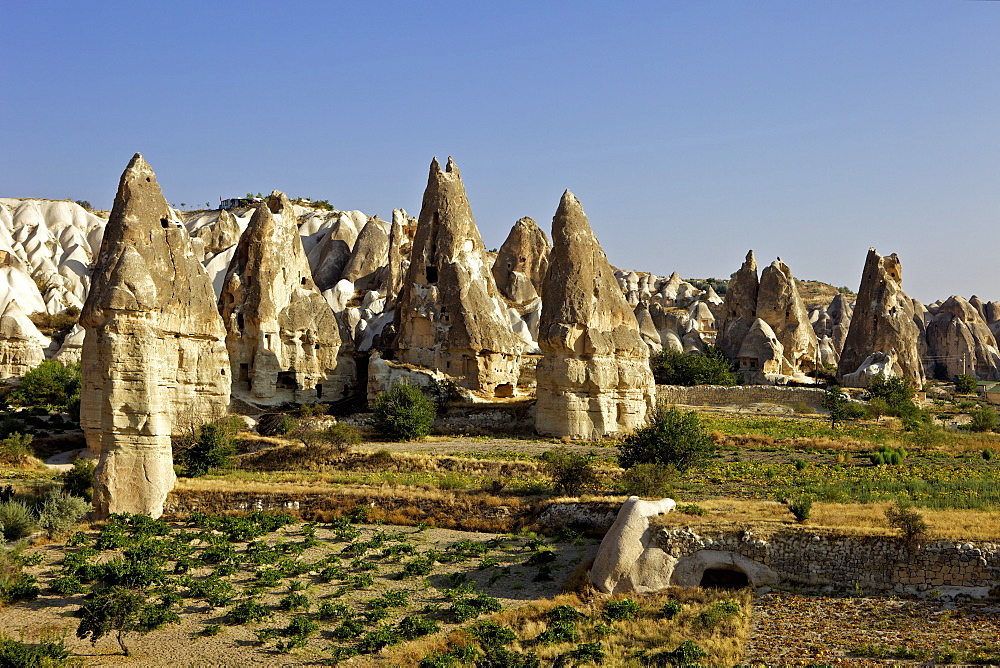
(984, 418)
(113, 609)
(571, 472)
(965, 384)
(341, 436)
(672, 438)
(79, 480)
(50, 383)
(909, 522)
(709, 368)
(836, 402)
(895, 390)
(403, 413)
(85, 204)
(212, 445)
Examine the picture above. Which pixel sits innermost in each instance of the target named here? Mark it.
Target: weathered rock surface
(370, 256)
(629, 558)
(883, 321)
(594, 377)
(22, 346)
(449, 316)
(781, 307)
(154, 358)
(761, 356)
(739, 308)
(284, 341)
(521, 263)
(960, 342)
(225, 232)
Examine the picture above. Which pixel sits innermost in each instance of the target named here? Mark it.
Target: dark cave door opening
(720, 578)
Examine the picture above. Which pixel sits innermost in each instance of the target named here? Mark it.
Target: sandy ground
(180, 645)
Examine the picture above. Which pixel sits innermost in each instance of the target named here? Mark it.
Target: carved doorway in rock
(724, 578)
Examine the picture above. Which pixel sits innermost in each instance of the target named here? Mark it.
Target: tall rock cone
(780, 306)
(739, 308)
(449, 316)
(154, 359)
(594, 377)
(521, 262)
(882, 322)
(960, 342)
(285, 343)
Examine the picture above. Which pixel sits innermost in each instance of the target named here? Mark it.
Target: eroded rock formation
(739, 308)
(154, 359)
(449, 316)
(781, 307)
(284, 340)
(960, 342)
(594, 377)
(883, 321)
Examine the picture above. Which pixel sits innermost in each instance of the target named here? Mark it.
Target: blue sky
(690, 130)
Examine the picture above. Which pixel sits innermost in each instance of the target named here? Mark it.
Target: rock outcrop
(225, 232)
(761, 356)
(883, 321)
(449, 316)
(154, 359)
(594, 377)
(370, 256)
(284, 341)
(521, 263)
(781, 307)
(960, 342)
(22, 346)
(629, 560)
(739, 308)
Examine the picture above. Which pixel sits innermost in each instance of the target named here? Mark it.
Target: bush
(247, 612)
(984, 418)
(79, 480)
(897, 393)
(110, 609)
(909, 522)
(965, 384)
(212, 446)
(672, 438)
(800, 508)
(16, 520)
(623, 609)
(671, 609)
(571, 472)
(403, 413)
(15, 450)
(48, 384)
(59, 513)
(341, 436)
(709, 368)
(647, 480)
(48, 652)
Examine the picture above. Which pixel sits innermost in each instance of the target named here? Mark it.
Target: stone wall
(825, 559)
(719, 395)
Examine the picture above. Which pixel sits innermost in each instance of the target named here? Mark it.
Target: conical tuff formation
(284, 342)
(154, 358)
(594, 377)
(450, 318)
(883, 322)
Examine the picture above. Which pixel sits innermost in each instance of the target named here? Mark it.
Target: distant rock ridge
(154, 360)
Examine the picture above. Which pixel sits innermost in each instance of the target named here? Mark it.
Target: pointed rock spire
(739, 307)
(594, 377)
(154, 362)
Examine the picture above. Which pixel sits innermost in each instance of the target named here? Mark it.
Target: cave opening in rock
(722, 578)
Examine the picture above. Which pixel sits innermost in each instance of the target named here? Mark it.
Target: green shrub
(373, 641)
(623, 609)
(712, 367)
(490, 634)
(499, 657)
(571, 472)
(212, 446)
(672, 438)
(16, 520)
(648, 480)
(341, 436)
(671, 609)
(403, 413)
(59, 513)
(988, 454)
(15, 450)
(691, 509)
(47, 653)
(800, 508)
(79, 480)
(410, 627)
(294, 602)
(48, 384)
(558, 633)
(965, 384)
(908, 521)
(247, 612)
(685, 654)
(111, 609)
(984, 418)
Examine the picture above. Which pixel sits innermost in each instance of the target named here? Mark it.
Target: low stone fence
(720, 395)
(818, 558)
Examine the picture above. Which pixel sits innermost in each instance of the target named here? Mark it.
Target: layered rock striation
(154, 360)
(594, 377)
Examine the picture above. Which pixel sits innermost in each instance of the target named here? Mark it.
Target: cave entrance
(722, 578)
(286, 381)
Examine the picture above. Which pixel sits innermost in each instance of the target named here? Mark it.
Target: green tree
(895, 390)
(50, 383)
(984, 418)
(965, 384)
(712, 367)
(212, 446)
(403, 413)
(79, 480)
(671, 438)
(113, 609)
(836, 402)
(571, 472)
